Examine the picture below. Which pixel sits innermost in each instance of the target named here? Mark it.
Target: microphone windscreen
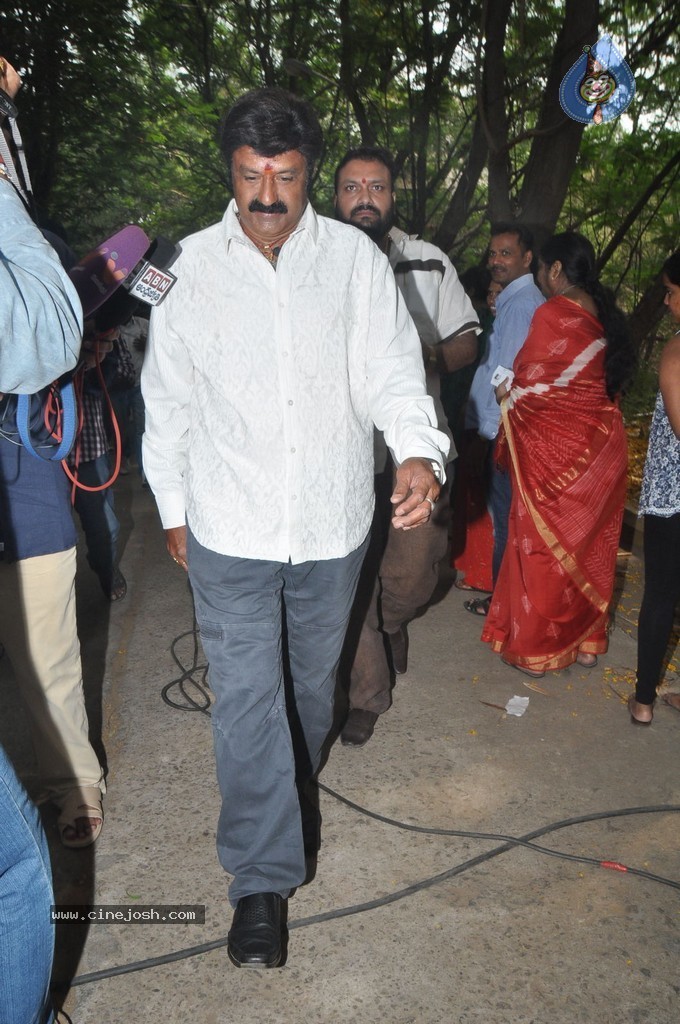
(97, 276)
(162, 252)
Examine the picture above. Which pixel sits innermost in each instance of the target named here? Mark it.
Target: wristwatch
(437, 470)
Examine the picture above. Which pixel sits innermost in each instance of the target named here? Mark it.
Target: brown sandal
(82, 803)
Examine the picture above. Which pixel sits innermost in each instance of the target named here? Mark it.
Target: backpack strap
(68, 425)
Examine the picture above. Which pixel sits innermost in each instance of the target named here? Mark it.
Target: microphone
(121, 271)
(150, 280)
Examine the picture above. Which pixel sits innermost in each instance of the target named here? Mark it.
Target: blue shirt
(40, 313)
(40, 329)
(515, 307)
(35, 505)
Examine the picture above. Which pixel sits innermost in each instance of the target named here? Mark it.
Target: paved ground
(399, 926)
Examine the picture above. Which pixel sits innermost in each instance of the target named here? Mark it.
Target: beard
(377, 228)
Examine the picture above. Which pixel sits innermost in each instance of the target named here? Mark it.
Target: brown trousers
(398, 578)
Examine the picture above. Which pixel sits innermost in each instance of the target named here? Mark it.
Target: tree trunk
(555, 147)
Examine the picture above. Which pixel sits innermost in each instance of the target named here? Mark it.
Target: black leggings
(662, 591)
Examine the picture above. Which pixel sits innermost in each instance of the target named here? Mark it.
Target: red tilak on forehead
(363, 181)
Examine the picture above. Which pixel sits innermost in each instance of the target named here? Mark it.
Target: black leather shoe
(358, 728)
(255, 936)
(399, 650)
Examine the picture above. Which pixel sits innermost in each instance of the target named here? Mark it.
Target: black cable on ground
(201, 702)
(507, 842)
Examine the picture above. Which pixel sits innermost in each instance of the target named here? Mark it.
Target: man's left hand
(415, 493)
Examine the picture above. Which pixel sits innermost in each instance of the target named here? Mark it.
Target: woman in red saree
(565, 444)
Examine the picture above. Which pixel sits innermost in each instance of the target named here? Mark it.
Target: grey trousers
(259, 621)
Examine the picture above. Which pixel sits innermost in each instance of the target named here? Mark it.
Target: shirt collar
(399, 237)
(308, 222)
(511, 289)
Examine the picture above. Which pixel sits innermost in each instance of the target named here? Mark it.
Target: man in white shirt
(401, 569)
(280, 346)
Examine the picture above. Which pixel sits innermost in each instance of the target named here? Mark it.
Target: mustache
(369, 207)
(257, 207)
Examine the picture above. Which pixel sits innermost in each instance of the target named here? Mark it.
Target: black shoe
(358, 728)
(255, 936)
(399, 650)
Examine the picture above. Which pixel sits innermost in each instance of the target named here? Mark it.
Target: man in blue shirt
(41, 328)
(509, 261)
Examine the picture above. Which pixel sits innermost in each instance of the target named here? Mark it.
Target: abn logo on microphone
(599, 86)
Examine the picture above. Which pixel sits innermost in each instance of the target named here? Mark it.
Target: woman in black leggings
(660, 503)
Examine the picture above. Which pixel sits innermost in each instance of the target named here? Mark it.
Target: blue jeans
(259, 620)
(500, 499)
(26, 931)
(129, 408)
(98, 518)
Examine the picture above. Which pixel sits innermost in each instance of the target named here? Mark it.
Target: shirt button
(293, 497)
(290, 401)
(293, 450)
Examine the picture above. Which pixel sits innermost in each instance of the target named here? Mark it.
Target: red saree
(565, 443)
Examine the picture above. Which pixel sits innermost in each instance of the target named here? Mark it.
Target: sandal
(478, 606)
(80, 805)
(586, 664)
(116, 588)
(633, 703)
(535, 674)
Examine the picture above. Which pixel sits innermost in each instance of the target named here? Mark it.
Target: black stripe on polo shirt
(407, 266)
(472, 326)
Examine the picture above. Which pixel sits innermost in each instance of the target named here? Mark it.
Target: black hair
(368, 153)
(671, 267)
(271, 121)
(508, 227)
(577, 257)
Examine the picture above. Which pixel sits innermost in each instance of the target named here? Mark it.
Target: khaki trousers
(38, 630)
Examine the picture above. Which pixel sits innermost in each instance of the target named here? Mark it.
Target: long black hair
(577, 257)
(671, 267)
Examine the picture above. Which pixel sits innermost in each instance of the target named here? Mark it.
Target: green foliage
(122, 100)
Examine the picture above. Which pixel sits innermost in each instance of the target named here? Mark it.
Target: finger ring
(431, 504)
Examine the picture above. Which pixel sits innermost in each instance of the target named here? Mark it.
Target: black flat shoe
(358, 728)
(478, 606)
(255, 937)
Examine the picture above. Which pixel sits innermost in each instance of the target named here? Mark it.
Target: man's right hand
(176, 543)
